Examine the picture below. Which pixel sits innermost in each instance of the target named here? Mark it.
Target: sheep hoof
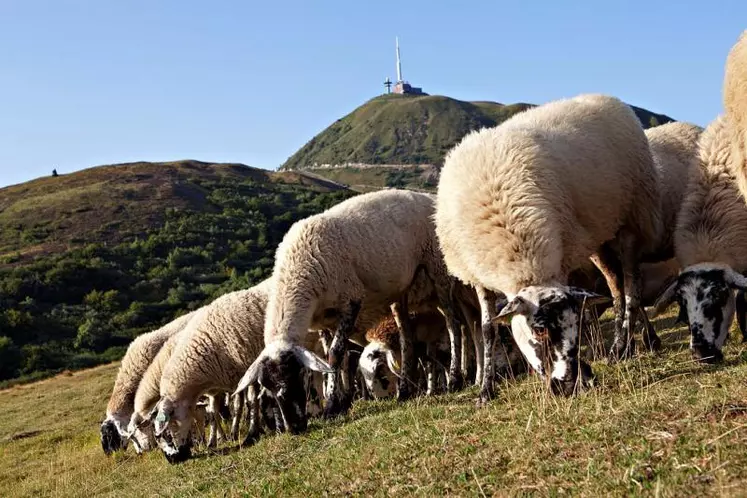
(620, 351)
(250, 439)
(456, 383)
(652, 342)
(404, 395)
(482, 402)
(334, 408)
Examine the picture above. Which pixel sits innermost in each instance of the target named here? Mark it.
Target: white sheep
(381, 357)
(342, 269)
(139, 355)
(210, 357)
(735, 105)
(148, 393)
(521, 205)
(710, 245)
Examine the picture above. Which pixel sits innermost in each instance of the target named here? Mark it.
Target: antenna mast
(399, 64)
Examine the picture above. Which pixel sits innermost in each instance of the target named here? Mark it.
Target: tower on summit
(402, 86)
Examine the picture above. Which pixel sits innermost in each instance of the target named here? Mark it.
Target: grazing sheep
(148, 393)
(710, 245)
(210, 357)
(380, 359)
(140, 353)
(342, 269)
(383, 351)
(735, 105)
(521, 205)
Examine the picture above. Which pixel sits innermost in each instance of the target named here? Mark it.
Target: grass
(108, 204)
(657, 425)
(408, 129)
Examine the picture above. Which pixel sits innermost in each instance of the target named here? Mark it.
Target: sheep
(521, 205)
(735, 105)
(342, 269)
(383, 351)
(709, 245)
(140, 353)
(148, 394)
(212, 353)
(380, 359)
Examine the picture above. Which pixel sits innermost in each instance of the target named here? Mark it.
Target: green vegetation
(657, 425)
(408, 129)
(90, 260)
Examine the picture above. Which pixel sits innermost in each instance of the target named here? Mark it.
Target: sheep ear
(666, 298)
(590, 298)
(312, 361)
(161, 422)
(251, 376)
(515, 306)
(150, 418)
(736, 280)
(392, 363)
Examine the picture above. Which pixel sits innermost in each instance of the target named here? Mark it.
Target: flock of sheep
(557, 211)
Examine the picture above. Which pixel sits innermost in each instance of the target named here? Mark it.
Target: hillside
(408, 130)
(92, 259)
(658, 425)
(110, 204)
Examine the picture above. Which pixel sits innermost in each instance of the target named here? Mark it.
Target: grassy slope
(656, 425)
(112, 203)
(406, 129)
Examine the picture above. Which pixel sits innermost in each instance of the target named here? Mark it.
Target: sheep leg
(407, 379)
(487, 301)
(339, 402)
(479, 353)
(742, 314)
(429, 365)
(632, 274)
(252, 407)
(455, 380)
(238, 408)
(468, 346)
(212, 417)
(607, 263)
(651, 341)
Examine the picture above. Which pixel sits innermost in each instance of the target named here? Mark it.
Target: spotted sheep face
(377, 374)
(112, 435)
(545, 325)
(280, 369)
(705, 295)
(172, 428)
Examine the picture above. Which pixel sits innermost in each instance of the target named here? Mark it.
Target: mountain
(91, 259)
(408, 130)
(110, 204)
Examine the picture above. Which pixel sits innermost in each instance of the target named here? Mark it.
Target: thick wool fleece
(712, 224)
(219, 344)
(365, 250)
(674, 147)
(528, 201)
(139, 356)
(735, 104)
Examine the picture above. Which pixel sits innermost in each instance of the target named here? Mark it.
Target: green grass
(374, 178)
(657, 425)
(408, 129)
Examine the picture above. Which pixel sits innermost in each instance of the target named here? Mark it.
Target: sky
(85, 83)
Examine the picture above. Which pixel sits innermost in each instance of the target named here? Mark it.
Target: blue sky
(84, 83)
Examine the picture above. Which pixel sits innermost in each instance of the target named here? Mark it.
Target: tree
(653, 122)
(10, 358)
(54, 173)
